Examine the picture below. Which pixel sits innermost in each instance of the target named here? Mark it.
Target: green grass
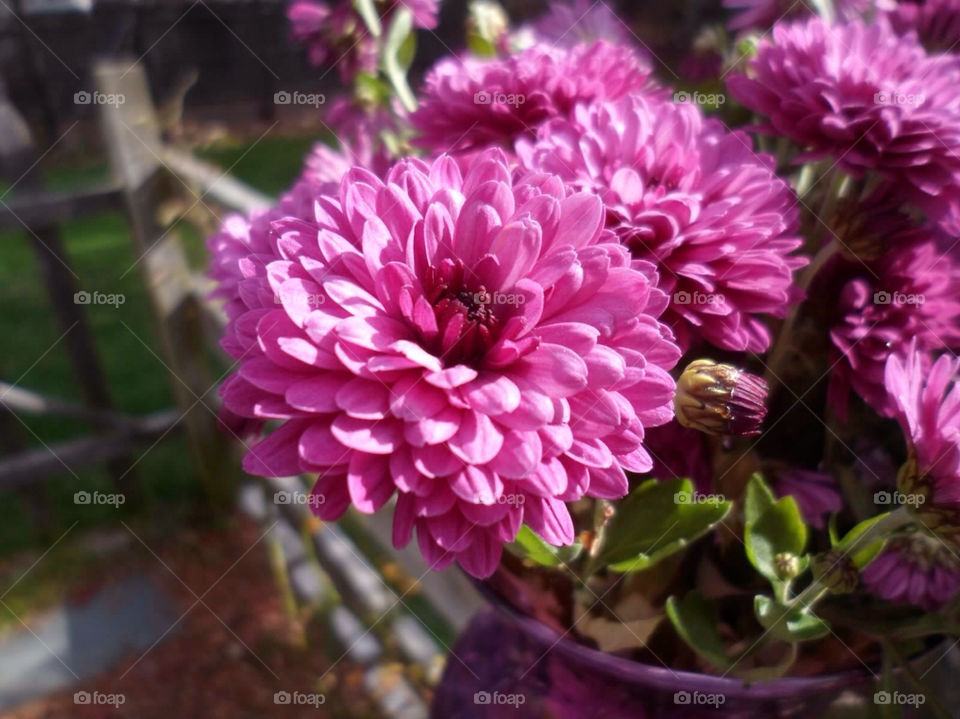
(101, 254)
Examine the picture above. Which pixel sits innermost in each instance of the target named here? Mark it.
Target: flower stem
(781, 346)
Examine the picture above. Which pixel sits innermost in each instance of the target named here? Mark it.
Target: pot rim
(664, 678)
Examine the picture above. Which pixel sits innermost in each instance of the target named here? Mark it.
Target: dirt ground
(225, 661)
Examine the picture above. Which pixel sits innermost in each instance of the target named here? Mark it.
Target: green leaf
(790, 625)
(779, 529)
(695, 618)
(481, 46)
(757, 499)
(397, 55)
(655, 521)
(860, 553)
(528, 545)
(368, 12)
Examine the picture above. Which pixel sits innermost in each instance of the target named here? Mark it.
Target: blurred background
(141, 572)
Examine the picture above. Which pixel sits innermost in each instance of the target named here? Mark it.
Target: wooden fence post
(133, 142)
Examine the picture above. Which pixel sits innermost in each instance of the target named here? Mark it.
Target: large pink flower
(471, 103)
(475, 343)
(695, 199)
(936, 22)
(865, 96)
(763, 14)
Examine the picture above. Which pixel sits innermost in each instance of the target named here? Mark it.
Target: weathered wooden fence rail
(393, 628)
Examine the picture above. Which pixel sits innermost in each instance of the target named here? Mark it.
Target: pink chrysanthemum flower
(474, 343)
(926, 399)
(693, 198)
(335, 33)
(914, 569)
(864, 96)
(472, 103)
(581, 21)
(763, 14)
(909, 294)
(936, 22)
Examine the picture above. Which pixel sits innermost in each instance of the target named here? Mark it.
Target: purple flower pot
(506, 664)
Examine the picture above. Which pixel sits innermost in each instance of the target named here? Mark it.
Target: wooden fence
(384, 609)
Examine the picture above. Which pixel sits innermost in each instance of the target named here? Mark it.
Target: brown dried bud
(836, 571)
(720, 399)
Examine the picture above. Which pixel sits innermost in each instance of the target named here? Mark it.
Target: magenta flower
(694, 199)
(914, 569)
(866, 97)
(936, 22)
(475, 344)
(335, 33)
(927, 406)
(909, 294)
(763, 14)
(581, 21)
(471, 103)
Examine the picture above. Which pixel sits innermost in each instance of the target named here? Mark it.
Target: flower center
(467, 325)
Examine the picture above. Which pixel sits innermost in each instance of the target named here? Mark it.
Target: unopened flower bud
(836, 571)
(487, 23)
(720, 399)
(787, 565)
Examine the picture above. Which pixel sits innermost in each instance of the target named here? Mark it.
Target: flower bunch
(649, 341)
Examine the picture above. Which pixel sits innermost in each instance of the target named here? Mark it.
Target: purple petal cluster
(683, 192)
(914, 569)
(864, 96)
(469, 103)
